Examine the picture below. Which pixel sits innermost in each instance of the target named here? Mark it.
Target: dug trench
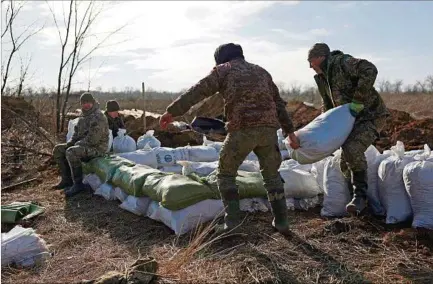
(90, 236)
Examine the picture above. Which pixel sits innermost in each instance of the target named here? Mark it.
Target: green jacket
(346, 79)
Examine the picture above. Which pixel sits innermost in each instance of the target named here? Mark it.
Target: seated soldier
(90, 140)
(115, 122)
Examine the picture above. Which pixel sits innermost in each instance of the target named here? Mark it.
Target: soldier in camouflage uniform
(115, 122)
(90, 140)
(343, 79)
(254, 111)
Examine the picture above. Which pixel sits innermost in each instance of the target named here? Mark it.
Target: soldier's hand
(165, 120)
(293, 141)
(355, 108)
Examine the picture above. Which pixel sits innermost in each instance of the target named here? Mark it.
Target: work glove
(355, 108)
(165, 120)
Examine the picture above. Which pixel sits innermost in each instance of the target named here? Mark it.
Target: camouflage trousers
(73, 155)
(263, 142)
(362, 136)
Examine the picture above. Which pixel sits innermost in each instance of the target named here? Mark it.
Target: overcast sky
(170, 45)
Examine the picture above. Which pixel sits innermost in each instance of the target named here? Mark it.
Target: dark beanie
(112, 106)
(226, 52)
(87, 98)
(319, 49)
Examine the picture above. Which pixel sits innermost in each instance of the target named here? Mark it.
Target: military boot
(65, 173)
(360, 186)
(281, 219)
(232, 218)
(78, 185)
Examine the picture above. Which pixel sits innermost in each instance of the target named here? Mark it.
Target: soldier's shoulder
(223, 68)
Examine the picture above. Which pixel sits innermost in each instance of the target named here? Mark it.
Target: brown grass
(418, 105)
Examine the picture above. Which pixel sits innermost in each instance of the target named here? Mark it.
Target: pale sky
(170, 45)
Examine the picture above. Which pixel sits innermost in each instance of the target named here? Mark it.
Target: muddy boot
(78, 185)
(232, 218)
(281, 219)
(65, 173)
(360, 186)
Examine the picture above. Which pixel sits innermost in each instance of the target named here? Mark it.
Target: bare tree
(429, 83)
(16, 41)
(23, 75)
(397, 88)
(78, 30)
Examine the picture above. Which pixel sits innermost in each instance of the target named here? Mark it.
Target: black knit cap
(319, 49)
(87, 98)
(112, 106)
(226, 52)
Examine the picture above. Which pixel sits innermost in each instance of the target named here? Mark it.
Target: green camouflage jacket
(251, 98)
(346, 79)
(91, 130)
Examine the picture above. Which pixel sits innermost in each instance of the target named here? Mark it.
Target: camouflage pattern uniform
(254, 111)
(90, 140)
(346, 79)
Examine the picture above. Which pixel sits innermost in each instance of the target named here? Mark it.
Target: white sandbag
(71, 130)
(292, 164)
(254, 205)
(177, 169)
(285, 154)
(166, 156)
(136, 205)
(392, 192)
(107, 191)
(144, 156)
(418, 180)
(92, 180)
(282, 144)
(123, 143)
(336, 191)
(322, 136)
(374, 158)
(148, 139)
(23, 247)
(187, 219)
(120, 194)
(200, 153)
(205, 168)
(318, 170)
(299, 183)
(214, 144)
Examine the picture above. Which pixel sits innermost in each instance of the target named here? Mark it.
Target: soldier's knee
(59, 151)
(274, 182)
(75, 152)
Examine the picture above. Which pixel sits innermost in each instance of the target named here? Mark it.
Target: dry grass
(418, 105)
(90, 236)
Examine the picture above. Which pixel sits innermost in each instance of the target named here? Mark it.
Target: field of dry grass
(90, 236)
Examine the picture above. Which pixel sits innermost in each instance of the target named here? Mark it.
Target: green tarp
(176, 191)
(17, 211)
(131, 179)
(105, 167)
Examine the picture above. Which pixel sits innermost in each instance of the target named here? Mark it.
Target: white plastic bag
(149, 139)
(216, 145)
(322, 136)
(318, 169)
(186, 219)
(336, 190)
(92, 180)
(299, 183)
(71, 128)
(374, 158)
(120, 194)
(200, 153)
(177, 169)
(392, 191)
(254, 205)
(136, 205)
(418, 180)
(144, 156)
(123, 143)
(166, 156)
(205, 168)
(23, 247)
(281, 140)
(107, 191)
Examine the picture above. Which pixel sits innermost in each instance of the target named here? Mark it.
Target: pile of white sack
(23, 247)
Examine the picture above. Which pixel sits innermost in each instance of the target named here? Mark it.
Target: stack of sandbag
(23, 247)
(323, 136)
(418, 180)
(206, 168)
(299, 181)
(392, 191)
(123, 143)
